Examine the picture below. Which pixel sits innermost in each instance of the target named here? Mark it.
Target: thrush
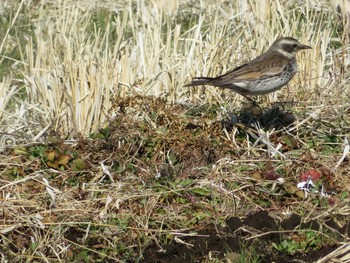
(265, 74)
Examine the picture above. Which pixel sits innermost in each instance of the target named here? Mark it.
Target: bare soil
(232, 238)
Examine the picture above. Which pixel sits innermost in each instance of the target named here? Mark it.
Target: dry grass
(161, 179)
(163, 167)
(78, 57)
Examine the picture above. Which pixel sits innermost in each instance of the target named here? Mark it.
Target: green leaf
(201, 191)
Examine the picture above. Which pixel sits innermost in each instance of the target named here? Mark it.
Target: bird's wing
(259, 68)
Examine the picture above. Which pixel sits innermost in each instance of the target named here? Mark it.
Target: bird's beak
(305, 47)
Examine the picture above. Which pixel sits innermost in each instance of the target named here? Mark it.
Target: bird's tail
(199, 81)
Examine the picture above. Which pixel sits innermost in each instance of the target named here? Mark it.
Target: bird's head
(287, 46)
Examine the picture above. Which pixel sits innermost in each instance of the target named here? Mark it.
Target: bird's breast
(273, 82)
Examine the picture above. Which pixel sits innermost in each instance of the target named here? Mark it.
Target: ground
(181, 183)
(233, 237)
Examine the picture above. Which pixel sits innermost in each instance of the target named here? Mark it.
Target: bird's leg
(251, 100)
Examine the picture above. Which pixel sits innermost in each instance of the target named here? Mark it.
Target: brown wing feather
(258, 68)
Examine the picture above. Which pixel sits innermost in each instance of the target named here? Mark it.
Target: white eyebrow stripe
(288, 42)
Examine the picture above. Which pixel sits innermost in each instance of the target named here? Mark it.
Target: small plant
(248, 254)
(287, 246)
(303, 241)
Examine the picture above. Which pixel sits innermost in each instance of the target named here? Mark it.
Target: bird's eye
(294, 45)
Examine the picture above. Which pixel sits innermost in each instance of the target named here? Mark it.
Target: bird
(265, 74)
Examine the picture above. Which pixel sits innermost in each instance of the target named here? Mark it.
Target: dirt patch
(254, 234)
